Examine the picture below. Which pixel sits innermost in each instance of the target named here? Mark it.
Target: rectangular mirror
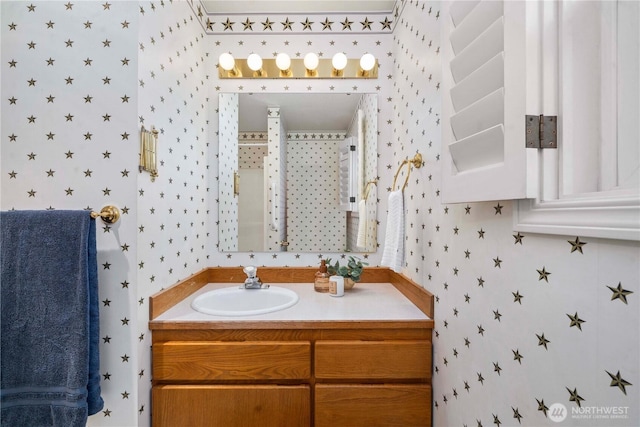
(294, 170)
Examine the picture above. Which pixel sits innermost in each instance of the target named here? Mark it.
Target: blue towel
(50, 319)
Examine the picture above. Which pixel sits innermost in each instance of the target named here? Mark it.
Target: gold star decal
(346, 24)
(286, 25)
(498, 209)
(576, 245)
(618, 381)
(576, 321)
(518, 238)
(543, 341)
(542, 407)
(543, 274)
(248, 25)
(496, 367)
(366, 24)
(516, 414)
(386, 24)
(517, 356)
(326, 25)
(209, 24)
(228, 25)
(574, 396)
(517, 297)
(266, 25)
(619, 293)
(69, 6)
(306, 25)
(12, 27)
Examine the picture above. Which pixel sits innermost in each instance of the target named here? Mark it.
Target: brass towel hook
(417, 163)
(109, 214)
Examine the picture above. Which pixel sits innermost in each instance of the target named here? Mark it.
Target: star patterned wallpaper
(524, 322)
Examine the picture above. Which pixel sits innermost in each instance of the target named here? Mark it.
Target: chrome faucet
(252, 281)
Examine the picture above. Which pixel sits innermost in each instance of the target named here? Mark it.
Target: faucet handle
(250, 271)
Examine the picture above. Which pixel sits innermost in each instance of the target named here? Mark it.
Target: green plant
(352, 270)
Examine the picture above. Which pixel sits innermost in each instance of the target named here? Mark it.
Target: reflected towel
(362, 224)
(50, 319)
(393, 253)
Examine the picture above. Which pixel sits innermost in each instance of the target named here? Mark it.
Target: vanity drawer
(383, 405)
(374, 360)
(231, 406)
(186, 360)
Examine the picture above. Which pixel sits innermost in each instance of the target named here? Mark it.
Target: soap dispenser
(321, 283)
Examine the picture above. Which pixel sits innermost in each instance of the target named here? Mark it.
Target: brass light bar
(298, 70)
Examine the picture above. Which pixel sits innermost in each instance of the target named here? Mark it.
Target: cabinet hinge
(352, 148)
(541, 131)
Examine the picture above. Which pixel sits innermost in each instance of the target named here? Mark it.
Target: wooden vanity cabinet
(309, 377)
(291, 373)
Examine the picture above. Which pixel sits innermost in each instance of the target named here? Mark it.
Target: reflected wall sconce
(311, 66)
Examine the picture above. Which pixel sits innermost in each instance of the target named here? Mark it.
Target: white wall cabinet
(578, 61)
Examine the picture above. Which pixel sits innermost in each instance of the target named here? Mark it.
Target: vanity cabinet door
(375, 405)
(231, 406)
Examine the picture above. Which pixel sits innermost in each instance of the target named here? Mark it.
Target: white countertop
(366, 301)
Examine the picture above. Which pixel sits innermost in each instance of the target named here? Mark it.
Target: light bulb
(283, 61)
(254, 62)
(226, 61)
(311, 61)
(367, 62)
(339, 61)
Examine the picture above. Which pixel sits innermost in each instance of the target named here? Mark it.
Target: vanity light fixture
(367, 62)
(310, 66)
(283, 62)
(254, 62)
(311, 62)
(228, 64)
(339, 62)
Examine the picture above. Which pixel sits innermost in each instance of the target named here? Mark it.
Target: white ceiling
(300, 111)
(296, 6)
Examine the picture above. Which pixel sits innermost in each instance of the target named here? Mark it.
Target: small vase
(348, 283)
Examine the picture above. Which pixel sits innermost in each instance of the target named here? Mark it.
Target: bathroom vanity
(360, 360)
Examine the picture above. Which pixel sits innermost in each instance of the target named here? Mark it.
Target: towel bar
(417, 163)
(109, 214)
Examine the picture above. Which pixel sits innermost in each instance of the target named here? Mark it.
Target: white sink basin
(235, 301)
